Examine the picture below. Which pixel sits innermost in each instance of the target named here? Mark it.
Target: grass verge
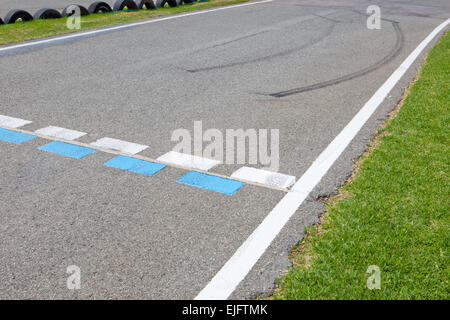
(45, 28)
(394, 211)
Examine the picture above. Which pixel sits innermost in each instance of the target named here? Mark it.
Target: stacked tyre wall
(21, 15)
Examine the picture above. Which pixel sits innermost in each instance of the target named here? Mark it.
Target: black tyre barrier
(97, 7)
(119, 5)
(149, 4)
(160, 3)
(17, 14)
(46, 13)
(69, 10)
(172, 3)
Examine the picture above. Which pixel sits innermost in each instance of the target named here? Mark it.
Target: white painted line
(11, 122)
(186, 160)
(265, 177)
(239, 265)
(61, 133)
(119, 145)
(124, 26)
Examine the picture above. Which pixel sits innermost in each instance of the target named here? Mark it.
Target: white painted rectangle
(265, 177)
(119, 145)
(60, 133)
(190, 161)
(11, 122)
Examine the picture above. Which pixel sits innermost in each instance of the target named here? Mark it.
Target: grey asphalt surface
(250, 67)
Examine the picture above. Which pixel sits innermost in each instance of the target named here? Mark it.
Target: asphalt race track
(302, 67)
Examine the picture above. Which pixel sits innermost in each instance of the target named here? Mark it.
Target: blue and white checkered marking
(67, 149)
(210, 182)
(135, 165)
(142, 165)
(14, 136)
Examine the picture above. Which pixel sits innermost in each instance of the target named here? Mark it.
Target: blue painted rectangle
(135, 165)
(14, 136)
(67, 149)
(210, 182)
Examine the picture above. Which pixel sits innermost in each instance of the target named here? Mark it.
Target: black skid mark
(276, 55)
(394, 52)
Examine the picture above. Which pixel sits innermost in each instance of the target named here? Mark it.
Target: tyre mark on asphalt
(276, 55)
(232, 41)
(394, 52)
(326, 18)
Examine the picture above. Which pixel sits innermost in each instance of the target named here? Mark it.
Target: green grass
(45, 28)
(394, 213)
